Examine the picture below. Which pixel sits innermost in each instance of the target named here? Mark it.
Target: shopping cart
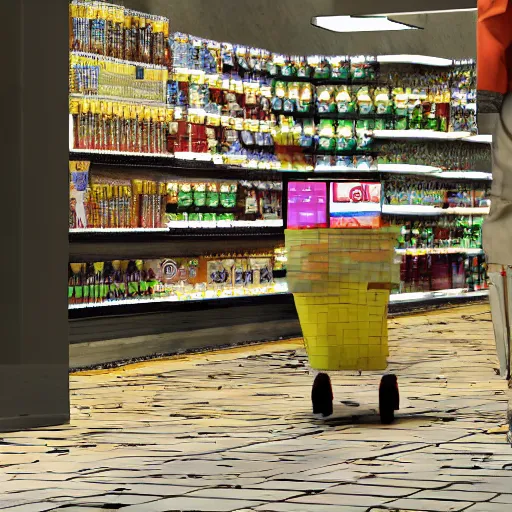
(341, 281)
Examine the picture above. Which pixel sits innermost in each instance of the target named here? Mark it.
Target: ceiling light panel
(359, 24)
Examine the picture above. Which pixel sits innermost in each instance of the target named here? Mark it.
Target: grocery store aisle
(233, 431)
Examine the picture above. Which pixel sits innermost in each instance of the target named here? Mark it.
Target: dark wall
(285, 25)
(34, 350)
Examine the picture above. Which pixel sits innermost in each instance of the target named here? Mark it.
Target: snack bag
(383, 103)
(344, 162)
(325, 102)
(228, 195)
(340, 67)
(289, 69)
(304, 70)
(199, 194)
(321, 68)
(305, 99)
(364, 132)
(362, 69)
(345, 140)
(326, 139)
(185, 195)
(345, 104)
(364, 101)
(308, 133)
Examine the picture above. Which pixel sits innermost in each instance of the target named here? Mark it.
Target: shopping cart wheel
(389, 398)
(321, 395)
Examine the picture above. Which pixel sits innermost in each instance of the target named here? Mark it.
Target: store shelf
(101, 245)
(420, 134)
(465, 175)
(181, 226)
(341, 170)
(481, 139)
(171, 166)
(117, 61)
(232, 293)
(120, 99)
(188, 155)
(109, 153)
(278, 289)
(408, 169)
(430, 210)
(437, 172)
(459, 293)
(439, 250)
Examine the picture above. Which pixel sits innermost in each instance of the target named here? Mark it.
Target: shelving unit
(267, 311)
(430, 210)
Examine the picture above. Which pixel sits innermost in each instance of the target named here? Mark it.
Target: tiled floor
(233, 431)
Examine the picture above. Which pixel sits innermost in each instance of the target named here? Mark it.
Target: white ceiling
(285, 25)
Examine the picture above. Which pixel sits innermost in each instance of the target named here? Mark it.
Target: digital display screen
(307, 205)
(355, 205)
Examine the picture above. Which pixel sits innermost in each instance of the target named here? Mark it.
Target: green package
(200, 194)
(133, 288)
(227, 216)
(185, 196)
(212, 199)
(228, 195)
(79, 292)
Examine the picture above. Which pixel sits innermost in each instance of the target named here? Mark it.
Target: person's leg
(497, 240)
(509, 412)
(498, 297)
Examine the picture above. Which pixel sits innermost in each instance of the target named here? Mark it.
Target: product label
(133, 288)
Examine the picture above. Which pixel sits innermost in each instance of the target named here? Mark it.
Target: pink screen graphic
(355, 205)
(307, 205)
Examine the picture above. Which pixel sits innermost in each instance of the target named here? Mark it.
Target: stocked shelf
(459, 293)
(171, 166)
(279, 290)
(420, 135)
(428, 170)
(215, 112)
(232, 293)
(222, 227)
(178, 230)
(481, 139)
(90, 247)
(204, 164)
(440, 250)
(430, 210)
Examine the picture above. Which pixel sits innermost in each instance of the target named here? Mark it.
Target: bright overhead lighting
(359, 24)
(443, 11)
(414, 59)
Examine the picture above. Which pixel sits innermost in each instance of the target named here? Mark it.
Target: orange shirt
(494, 46)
